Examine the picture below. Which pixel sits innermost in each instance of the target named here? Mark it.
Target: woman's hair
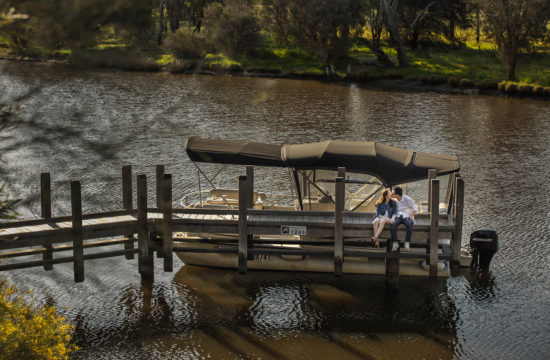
(382, 197)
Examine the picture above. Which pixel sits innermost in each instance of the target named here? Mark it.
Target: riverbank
(296, 65)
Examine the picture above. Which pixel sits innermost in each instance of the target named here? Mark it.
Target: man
(406, 209)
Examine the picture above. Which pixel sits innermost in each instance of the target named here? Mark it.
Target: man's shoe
(395, 246)
(407, 245)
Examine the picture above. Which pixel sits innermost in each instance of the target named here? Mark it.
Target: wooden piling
(46, 212)
(432, 174)
(434, 226)
(127, 204)
(449, 193)
(458, 219)
(145, 261)
(78, 243)
(243, 238)
(250, 203)
(160, 185)
(166, 223)
(340, 194)
(155, 237)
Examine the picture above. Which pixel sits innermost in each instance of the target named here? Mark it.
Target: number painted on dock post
(293, 230)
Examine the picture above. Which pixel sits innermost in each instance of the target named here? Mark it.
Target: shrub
(437, 79)
(525, 89)
(186, 44)
(546, 91)
(425, 79)
(502, 85)
(466, 83)
(454, 82)
(511, 88)
(538, 90)
(486, 84)
(30, 333)
(232, 28)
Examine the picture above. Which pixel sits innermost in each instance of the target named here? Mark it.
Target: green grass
(468, 62)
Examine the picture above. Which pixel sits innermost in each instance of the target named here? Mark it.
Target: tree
(515, 25)
(321, 26)
(232, 27)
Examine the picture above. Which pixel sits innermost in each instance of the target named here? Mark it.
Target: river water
(81, 124)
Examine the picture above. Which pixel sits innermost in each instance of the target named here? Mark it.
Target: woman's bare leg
(380, 228)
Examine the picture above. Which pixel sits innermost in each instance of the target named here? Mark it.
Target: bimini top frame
(389, 164)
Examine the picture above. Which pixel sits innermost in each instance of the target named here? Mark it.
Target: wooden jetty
(340, 233)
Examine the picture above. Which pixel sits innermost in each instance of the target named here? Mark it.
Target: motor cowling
(483, 245)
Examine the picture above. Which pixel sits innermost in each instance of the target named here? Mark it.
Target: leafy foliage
(27, 332)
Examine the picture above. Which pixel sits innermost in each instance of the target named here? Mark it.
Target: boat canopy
(389, 164)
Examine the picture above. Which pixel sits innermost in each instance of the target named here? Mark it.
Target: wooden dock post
(432, 174)
(449, 195)
(127, 204)
(145, 259)
(434, 226)
(78, 244)
(243, 238)
(159, 182)
(167, 223)
(250, 203)
(340, 198)
(46, 212)
(458, 219)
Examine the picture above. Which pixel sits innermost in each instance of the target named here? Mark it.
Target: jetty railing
(337, 233)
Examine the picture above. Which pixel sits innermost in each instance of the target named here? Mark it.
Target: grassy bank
(468, 66)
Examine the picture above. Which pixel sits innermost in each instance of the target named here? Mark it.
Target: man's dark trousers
(408, 223)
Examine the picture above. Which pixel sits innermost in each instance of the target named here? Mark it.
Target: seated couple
(394, 208)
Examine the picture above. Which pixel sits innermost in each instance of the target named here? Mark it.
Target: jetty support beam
(167, 223)
(340, 195)
(458, 220)
(145, 260)
(127, 204)
(243, 235)
(434, 226)
(46, 210)
(78, 239)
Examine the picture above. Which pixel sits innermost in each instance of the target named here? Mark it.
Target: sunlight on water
(98, 121)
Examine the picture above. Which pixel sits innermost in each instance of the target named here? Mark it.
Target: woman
(386, 211)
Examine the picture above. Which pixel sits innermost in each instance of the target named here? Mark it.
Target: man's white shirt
(405, 207)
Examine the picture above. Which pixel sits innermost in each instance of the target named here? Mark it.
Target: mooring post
(250, 202)
(340, 196)
(432, 174)
(46, 210)
(159, 181)
(167, 223)
(160, 185)
(434, 227)
(145, 261)
(243, 238)
(127, 204)
(449, 194)
(78, 244)
(458, 218)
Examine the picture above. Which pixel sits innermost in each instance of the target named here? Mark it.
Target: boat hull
(407, 267)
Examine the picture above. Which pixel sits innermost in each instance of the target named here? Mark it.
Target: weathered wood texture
(144, 260)
(434, 227)
(127, 204)
(243, 239)
(432, 174)
(339, 225)
(46, 212)
(458, 218)
(78, 245)
(167, 223)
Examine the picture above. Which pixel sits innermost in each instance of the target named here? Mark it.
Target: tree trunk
(511, 65)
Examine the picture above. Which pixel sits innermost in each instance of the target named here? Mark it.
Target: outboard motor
(483, 244)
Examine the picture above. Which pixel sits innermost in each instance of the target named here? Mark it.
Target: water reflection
(504, 150)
